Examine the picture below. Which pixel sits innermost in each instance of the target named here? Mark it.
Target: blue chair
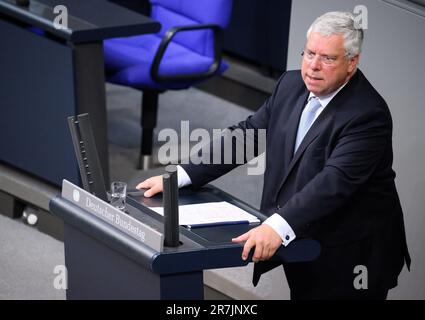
(186, 51)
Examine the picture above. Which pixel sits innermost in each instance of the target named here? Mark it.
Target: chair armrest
(188, 76)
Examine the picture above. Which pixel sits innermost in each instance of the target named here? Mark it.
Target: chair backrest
(190, 12)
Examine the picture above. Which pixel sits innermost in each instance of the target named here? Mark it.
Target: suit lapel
(322, 120)
(311, 134)
(293, 127)
(289, 132)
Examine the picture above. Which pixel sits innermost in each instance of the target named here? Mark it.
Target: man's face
(325, 67)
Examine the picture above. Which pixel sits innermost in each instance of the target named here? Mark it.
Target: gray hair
(340, 23)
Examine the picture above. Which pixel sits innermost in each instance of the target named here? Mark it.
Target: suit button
(278, 207)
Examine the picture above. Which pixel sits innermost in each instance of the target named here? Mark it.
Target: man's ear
(353, 62)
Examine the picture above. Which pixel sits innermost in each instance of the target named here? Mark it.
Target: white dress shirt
(275, 221)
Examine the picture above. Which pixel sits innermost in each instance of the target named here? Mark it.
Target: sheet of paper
(210, 213)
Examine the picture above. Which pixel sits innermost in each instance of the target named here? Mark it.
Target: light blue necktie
(307, 119)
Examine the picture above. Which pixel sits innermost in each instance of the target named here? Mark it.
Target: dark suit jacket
(338, 188)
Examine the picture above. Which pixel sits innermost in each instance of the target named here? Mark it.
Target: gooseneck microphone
(171, 207)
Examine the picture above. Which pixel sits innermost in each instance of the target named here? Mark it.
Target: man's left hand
(265, 240)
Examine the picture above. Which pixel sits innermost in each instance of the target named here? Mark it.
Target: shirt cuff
(282, 228)
(183, 178)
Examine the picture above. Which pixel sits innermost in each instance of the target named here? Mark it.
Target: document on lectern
(211, 213)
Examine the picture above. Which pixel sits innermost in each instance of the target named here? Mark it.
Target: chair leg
(148, 122)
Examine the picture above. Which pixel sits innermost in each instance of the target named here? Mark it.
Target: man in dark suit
(328, 172)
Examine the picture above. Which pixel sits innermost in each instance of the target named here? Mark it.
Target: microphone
(171, 207)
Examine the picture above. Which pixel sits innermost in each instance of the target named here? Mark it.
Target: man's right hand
(153, 184)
